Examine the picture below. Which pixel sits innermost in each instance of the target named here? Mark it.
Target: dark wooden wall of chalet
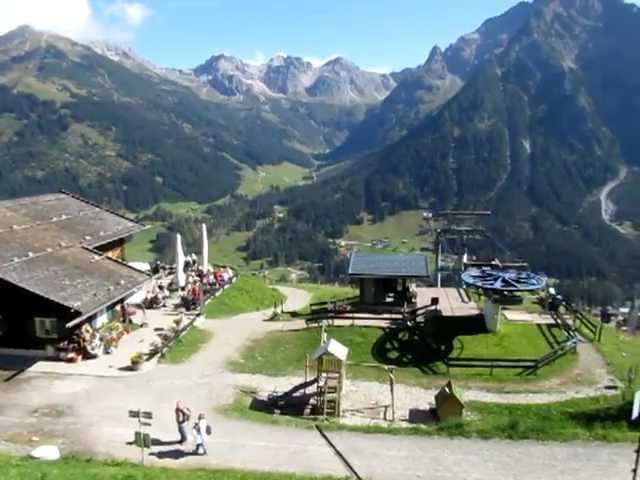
(18, 308)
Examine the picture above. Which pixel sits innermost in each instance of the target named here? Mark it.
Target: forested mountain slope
(532, 135)
(424, 89)
(124, 134)
(535, 133)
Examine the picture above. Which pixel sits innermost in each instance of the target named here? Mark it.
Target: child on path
(201, 430)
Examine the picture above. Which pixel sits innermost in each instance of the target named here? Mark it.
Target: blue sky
(376, 34)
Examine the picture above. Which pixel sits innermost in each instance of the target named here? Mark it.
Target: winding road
(607, 207)
(88, 415)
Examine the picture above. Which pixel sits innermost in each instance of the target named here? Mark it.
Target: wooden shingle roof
(47, 248)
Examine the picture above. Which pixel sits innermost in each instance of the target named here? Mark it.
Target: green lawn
(590, 419)
(622, 352)
(402, 226)
(325, 293)
(248, 294)
(255, 182)
(187, 345)
(225, 250)
(14, 468)
(139, 248)
(181, 208)
(328, 293)
(529, 305)
(285, 352)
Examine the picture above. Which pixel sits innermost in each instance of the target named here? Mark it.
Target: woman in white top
(201, 430)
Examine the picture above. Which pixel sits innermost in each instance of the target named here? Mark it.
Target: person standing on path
(183, 415)
(201, 429)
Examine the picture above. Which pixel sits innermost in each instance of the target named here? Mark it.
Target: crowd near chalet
(63, 274)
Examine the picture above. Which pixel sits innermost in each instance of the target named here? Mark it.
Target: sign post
(141, 438)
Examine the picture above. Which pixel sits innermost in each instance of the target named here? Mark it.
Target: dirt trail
(607, 207)
(89, 415)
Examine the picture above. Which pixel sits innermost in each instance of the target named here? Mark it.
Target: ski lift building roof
(388, 265)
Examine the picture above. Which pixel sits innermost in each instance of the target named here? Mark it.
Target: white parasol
(181, 279)
(205, 248)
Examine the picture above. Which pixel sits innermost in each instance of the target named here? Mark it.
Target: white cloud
(78, 19)
(318, 61)
(68, 17)
(380, 70)
(132, 13)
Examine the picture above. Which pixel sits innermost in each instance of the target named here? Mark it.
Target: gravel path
(607, 207)
(89, 415)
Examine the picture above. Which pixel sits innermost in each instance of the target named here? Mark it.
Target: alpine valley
(533, 116)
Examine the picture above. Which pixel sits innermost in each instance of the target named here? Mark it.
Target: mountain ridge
(422, 90)
(336, 81)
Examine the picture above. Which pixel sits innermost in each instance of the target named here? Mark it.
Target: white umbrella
(205, 248)
(180, 275)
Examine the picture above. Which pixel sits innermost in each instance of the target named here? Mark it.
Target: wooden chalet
(384, 278)
(60, 267)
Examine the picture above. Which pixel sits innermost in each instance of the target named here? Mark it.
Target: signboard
(140, 414)
(142, 440)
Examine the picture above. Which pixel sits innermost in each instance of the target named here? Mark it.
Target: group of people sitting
(199, 285)
(202, 283)
(157, 297)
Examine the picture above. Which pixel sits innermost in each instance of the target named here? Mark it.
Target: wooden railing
(328, 305)
(528, 366)
(585, 324)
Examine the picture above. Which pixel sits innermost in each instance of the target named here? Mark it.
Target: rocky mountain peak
(436, 63)
(491, 38)
(22, 35)
(337, 81)
(123, 55)
(339, 63)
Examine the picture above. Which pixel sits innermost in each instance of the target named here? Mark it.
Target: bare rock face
(287, 75)
(491, 38)
(338, 81)
(230, 76)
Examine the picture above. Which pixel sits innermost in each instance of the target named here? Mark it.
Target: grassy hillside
(286, 352)
(139, 248)
(187, 345)
(603, 419)
(622, 352)
(149, 139)
(261, 179)
(248, 294)
(402, 229)
(226, 250)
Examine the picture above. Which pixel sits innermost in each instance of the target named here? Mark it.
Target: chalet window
(46, 327)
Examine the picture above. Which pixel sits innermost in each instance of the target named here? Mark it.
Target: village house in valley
(60, 267)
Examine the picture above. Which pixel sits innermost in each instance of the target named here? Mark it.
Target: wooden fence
(527, 366)
(586, 325)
